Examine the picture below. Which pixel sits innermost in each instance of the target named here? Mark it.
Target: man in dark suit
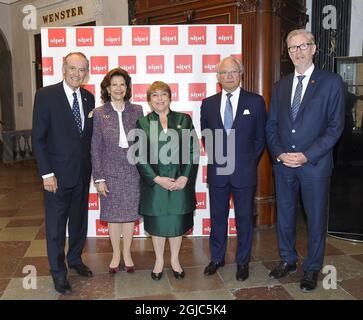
(306, 119)
(62, 130)
(235, 120)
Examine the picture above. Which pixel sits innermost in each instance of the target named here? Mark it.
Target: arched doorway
(6, 86)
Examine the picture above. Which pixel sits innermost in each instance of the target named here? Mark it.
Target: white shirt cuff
(48, 175)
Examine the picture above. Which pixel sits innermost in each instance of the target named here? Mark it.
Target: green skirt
(168, 226)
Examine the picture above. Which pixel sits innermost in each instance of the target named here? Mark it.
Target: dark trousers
(314, 192)
(66, 205)
(219, 212)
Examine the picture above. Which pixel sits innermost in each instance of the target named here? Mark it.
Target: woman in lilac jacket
(116, 180)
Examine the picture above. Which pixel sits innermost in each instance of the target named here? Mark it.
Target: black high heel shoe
(156, 276)
(178, 275)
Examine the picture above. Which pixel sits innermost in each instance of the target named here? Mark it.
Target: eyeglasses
(225, 73)
(302, 46)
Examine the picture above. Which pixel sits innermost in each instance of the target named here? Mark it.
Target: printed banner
(184, 56)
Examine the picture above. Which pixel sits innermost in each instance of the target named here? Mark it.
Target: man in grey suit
(306, 119)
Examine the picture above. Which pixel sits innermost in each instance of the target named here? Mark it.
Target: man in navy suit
(62, 131)
(235, 120)
(306, 119)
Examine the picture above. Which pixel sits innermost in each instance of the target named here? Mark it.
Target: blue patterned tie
(228, 114)
(297, 98)
(76, 112)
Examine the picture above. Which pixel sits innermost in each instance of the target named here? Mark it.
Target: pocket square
(246, 111)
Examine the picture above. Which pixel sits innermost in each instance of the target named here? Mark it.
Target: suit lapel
(126, 115)
(112, 118)
(218, 111)
(239, 108)
(85, 109)
(309, 90)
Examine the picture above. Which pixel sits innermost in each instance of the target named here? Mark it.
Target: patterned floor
(22, 244)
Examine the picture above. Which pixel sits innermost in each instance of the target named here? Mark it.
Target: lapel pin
(90, 114)
(312, 81)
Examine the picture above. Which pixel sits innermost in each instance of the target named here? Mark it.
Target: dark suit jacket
(57, 144)
(107, 157)
(318, 124)
(249, 124)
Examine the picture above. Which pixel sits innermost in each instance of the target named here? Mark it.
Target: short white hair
(296, 32)
(235, 60)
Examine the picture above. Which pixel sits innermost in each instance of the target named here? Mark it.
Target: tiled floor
(22, 244)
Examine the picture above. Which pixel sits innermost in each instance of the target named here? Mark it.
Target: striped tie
(228, 114)
(297, 98)
(76, 112)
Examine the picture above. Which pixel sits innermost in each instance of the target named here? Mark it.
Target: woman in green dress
(168, 156)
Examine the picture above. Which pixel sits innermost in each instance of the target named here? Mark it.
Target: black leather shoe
(179, 275)
(156, 276)
(62, 285)
(212, 267)
(308, 281)
(282, 270)
(82, 270)
(242, 272)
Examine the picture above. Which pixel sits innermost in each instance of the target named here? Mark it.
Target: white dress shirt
(305, 81)
(234, 101)
(122, 140)
(69, 94)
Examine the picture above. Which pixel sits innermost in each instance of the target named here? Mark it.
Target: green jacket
(163, 156)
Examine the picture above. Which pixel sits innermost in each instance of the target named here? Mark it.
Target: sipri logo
(206, 226)
(101, 228)
(112, 36)
(137, 228)
(85, 37)
(183, 63)
(218, 87)
(201, 200)
(202, 149)
(99, 65)
(140, 36)
(57, 38)
(232, 226)
(210, 62)
(189, 232)
(197, 91)
(204, 174)
(154, 64)
(174, 87)
(169, 35)
(225, 34)
(197, 35)
(93, 201)
(231, 202)
(139, 92)
(47, 66)
(127, 63)
(90, 88)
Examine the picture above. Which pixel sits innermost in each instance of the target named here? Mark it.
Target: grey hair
(296, 32)
(235, 60)
(76, 54)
